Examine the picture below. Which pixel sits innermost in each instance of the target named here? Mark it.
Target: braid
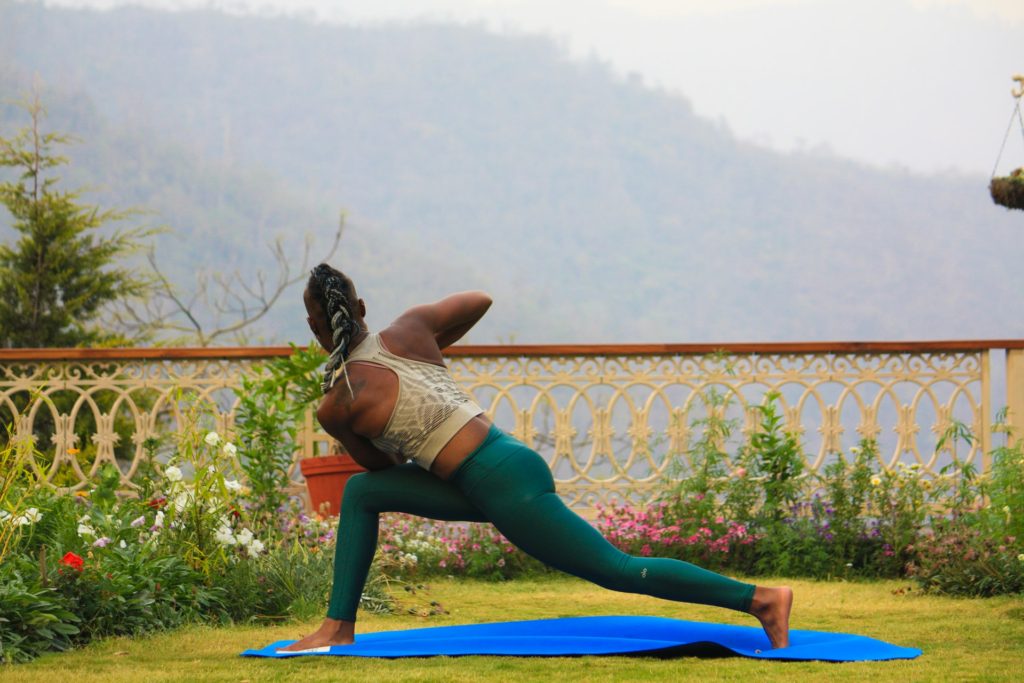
(329, 286)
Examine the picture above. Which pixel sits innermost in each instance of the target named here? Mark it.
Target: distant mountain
(594, 208)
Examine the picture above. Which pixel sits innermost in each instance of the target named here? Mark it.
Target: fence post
(986, 409)
(1015, 391)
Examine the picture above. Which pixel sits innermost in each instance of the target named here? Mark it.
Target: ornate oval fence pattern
(610, 420)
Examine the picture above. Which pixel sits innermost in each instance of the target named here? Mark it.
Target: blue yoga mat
(603, 636)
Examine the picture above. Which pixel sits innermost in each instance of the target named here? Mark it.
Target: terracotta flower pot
(326, 477)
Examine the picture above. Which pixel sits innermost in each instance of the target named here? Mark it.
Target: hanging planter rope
(1008, 190)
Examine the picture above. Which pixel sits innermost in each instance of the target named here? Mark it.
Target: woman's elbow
(483, 299)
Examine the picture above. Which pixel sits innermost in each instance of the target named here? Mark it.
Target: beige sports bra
(430, 408)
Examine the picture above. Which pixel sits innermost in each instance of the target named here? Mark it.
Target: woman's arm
(450, 318)
(368, 455)
(359, 447)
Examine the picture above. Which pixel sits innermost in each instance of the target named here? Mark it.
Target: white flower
(122, 544)
(138, 521)
(229, 449)
(232, 485)
(211, 469)
(256, 547)
(224, 536)
(86, 530)
(245, 537)
(182, 500)
(172, 473)
(159, 521)
(4, 515)
(30, 516)
(855, 450)
(1020, 558)
(212, 439)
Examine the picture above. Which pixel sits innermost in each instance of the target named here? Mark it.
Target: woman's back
(427, 407)
(363, 390)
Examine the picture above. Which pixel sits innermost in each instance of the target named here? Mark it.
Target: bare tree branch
(242, 301)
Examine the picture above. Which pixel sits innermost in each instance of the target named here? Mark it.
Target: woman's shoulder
(406, 339)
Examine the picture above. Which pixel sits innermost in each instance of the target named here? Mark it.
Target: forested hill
(594, 208)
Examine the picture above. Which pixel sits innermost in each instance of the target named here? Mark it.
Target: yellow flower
(82, 494)
(876, 480)
(73, 451)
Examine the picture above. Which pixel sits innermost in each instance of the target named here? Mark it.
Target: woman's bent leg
(405, 488)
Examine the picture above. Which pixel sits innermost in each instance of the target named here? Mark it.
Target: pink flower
(739, 472)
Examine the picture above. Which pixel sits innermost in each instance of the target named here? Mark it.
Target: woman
(389, 398)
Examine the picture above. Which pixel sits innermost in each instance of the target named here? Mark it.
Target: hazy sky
(923, 84)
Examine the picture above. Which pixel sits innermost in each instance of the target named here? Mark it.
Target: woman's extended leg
(513, 487)
(405, 488)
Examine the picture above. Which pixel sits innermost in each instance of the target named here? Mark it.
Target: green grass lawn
(963, 640)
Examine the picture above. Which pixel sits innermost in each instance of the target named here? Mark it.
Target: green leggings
(506, 483)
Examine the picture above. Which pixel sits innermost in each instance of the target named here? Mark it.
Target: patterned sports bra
(430, 408)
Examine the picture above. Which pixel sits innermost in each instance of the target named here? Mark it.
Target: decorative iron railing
(610, 420)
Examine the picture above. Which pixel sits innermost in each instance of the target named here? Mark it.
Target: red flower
(157, 503)
(72, 560)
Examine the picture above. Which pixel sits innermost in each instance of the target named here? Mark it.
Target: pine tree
(62, 273)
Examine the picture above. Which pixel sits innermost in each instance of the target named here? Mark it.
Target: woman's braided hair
(331, 289)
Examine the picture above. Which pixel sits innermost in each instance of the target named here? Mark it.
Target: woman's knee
(357, 482)
(358, 490)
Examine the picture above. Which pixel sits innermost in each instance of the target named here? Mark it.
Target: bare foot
(331, 632)
(772, 606)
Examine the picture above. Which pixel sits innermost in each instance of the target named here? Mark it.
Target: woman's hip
(503, 465)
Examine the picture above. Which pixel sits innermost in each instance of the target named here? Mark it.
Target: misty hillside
(595, 209)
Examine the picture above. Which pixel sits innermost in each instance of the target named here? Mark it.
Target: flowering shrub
(413, 546)
(652, 531)
(957, 559)
(271, 404)
(93, 564)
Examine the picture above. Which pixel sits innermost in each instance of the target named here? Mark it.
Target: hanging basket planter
(1008, 190)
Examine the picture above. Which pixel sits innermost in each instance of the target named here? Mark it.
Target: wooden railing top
(258, 352)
